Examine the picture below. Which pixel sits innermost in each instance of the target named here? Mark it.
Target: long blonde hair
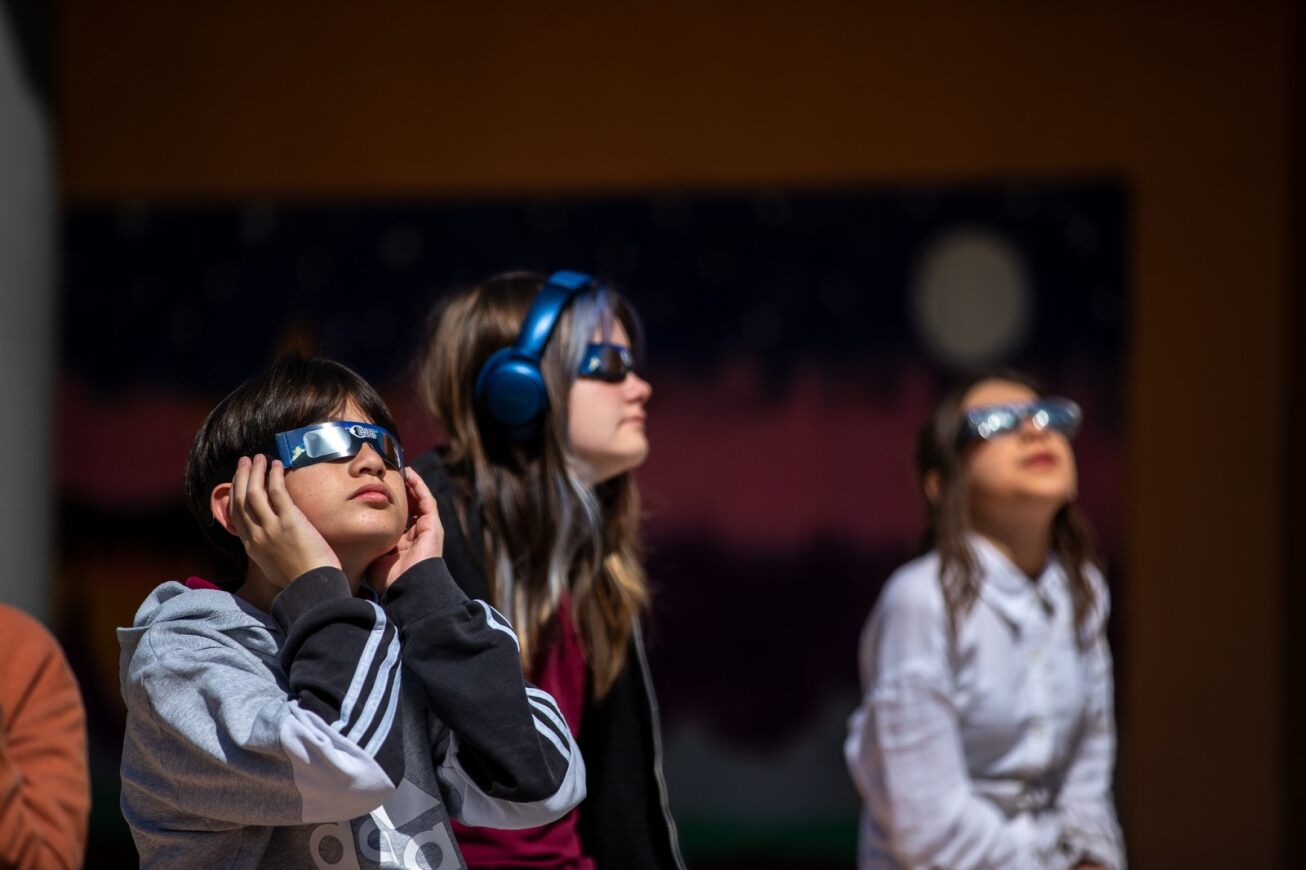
(545, 531)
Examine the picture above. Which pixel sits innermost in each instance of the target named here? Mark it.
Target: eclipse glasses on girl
(990, 421)
(606, 362)
(323, 442)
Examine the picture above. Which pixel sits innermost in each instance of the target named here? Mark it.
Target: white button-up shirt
(991, 749)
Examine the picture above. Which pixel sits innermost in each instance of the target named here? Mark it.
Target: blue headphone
(510, 390)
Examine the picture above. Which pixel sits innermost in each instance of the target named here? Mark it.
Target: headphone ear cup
(510, 390)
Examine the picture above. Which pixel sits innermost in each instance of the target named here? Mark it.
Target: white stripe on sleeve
(495, 620)
(360, 671)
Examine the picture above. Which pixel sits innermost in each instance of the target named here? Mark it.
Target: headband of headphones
(510, 388)
(548, 306)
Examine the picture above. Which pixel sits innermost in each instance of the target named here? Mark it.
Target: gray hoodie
(336, 732)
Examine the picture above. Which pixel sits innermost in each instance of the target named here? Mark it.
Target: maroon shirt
(559, 669)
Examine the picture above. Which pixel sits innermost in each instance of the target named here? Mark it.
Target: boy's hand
(276, 534)
(423, 540)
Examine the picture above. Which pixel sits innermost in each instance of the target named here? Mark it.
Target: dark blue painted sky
(198, 297)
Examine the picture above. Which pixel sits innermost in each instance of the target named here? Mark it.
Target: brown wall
(1192, 106)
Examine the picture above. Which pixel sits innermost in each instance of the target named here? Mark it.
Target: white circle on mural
(971, 300)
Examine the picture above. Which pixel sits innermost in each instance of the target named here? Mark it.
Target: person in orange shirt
(44, 786)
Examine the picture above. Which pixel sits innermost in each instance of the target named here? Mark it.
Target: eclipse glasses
(990, 421)
(324, 442)
(606, 362)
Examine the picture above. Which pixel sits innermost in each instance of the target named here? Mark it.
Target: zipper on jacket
(657, 748)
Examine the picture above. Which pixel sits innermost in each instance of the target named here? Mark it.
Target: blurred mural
(797, 338)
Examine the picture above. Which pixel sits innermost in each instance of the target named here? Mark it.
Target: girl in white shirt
(986, 736)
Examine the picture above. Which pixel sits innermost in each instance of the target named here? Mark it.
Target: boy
(297, 720)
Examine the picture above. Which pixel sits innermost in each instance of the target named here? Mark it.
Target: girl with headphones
(532, 380)
(986, 735)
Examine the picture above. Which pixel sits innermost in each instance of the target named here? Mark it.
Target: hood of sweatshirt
(176, 605)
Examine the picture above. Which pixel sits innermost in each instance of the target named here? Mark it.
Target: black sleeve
(342, 658)
(512, 743)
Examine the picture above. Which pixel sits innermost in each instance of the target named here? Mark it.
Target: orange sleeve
(44, 786)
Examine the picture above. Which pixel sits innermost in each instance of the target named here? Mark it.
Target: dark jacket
(625, 823)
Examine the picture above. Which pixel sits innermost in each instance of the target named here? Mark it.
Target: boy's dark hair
(293, 392)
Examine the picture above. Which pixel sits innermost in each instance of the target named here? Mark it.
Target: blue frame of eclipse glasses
(338, 439)
(990, 421)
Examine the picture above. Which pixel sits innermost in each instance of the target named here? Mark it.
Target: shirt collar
(1010, 591)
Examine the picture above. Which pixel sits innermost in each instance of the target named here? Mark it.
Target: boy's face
(358, 504)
